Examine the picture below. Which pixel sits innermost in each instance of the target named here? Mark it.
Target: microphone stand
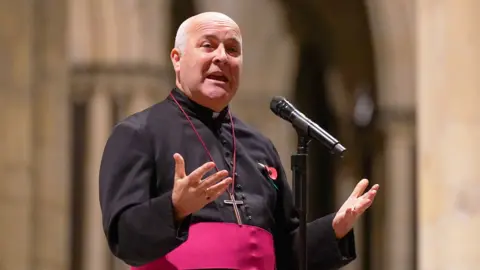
(299, 170)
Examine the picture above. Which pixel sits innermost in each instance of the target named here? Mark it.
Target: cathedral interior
(397, 82)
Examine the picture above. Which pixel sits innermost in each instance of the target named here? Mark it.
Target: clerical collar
(197, 110)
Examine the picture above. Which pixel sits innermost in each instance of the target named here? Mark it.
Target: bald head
(183, 31)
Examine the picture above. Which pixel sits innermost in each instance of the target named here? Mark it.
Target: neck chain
(232, 191)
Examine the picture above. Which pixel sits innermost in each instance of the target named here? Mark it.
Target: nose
(220, 56)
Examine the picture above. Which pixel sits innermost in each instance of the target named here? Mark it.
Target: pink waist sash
(213, 245)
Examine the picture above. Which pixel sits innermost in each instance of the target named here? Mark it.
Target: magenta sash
(214, 245)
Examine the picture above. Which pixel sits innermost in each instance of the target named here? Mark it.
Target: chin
(216, 92)
(216, 97)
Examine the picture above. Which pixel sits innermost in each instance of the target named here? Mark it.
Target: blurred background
(397, 82)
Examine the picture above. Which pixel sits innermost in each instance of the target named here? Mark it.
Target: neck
(201, 101)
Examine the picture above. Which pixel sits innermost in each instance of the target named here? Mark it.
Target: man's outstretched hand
(192, 192)
(353, 208)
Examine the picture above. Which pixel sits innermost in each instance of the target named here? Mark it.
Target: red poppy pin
(271, 172)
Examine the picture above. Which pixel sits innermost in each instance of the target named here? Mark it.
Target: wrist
(178, 213)
(339, 232)
(179, 216)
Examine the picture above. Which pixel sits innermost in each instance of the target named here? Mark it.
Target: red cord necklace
(232, 200)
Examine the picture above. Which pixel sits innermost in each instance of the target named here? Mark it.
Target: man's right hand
(190, 192)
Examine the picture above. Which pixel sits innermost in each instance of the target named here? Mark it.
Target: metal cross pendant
(235, 204)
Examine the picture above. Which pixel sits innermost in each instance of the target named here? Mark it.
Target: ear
(175, 57)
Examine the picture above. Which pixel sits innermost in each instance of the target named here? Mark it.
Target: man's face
(210, 65)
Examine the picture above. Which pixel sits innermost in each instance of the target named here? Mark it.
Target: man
(185, 184)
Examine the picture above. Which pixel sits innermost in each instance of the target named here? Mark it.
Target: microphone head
(281, 107)
(275, 102)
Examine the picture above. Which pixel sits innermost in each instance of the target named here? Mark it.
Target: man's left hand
(353, 208)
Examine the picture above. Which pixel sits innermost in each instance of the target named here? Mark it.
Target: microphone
(284, 109)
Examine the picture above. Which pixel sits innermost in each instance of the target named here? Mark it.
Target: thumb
(179, 166)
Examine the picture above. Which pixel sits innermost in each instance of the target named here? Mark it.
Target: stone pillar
(16, 149)
(269, 61)
(400, 194)
(119, 32)
(99, 121)
(140, 100)
(126, 42)
(393, 27)
(150, 53)
(119, 47)
(448, 50)
(51, 209)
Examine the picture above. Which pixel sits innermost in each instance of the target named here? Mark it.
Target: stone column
(99, 123)
(120, 43)
(51, 138)
(400, 194)
(16, 149)
(141, 56)
(88, 39)
(140, 100)
(393, 25)
(448, 49)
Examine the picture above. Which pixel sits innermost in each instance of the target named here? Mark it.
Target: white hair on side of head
(181, 37)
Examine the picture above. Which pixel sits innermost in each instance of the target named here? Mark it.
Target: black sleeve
(139, 227)
(324, 251)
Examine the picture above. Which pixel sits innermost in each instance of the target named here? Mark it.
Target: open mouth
(217, 77)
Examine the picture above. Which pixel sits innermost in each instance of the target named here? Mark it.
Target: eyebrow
(210, 36)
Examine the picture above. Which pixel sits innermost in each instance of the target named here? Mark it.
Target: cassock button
(249, 217)
(224, 142)
(239, 186)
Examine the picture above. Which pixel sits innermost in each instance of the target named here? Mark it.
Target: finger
(179, 166)
(220, 192)
(199, 172)
(219, 188)
(212, 179)
(370, 194)
(359, 188)
(363, 205)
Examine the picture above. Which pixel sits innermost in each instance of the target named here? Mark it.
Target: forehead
(217, 28)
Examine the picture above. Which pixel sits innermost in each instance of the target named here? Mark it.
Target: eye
(207, 45)
(234, 50)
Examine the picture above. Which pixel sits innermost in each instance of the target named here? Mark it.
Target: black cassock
(136, 180)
